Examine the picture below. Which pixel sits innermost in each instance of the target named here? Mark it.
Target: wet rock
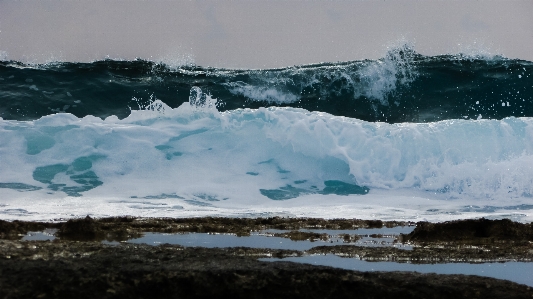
(347, 238)
(478, 231)
(89, 229)
(374, 223)
(85, 229)
(166, 271)
(122, 228)
(16, 229)
(431, 254)
(86, 268)
(303, 236)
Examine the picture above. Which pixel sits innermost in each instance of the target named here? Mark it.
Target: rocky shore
(76, 264)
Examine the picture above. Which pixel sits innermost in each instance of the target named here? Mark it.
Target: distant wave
(404, 86)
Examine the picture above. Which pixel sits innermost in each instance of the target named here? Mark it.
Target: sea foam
(194, 160)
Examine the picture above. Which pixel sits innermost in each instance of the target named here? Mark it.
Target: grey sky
(258, 34)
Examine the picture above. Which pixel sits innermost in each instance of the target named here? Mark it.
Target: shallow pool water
(520, 272)
(47, 234)
(266, 239)
(262, 239)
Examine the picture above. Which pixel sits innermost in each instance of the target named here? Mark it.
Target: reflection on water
(259, 240)
(519, 272)
(382, 237)
(47, 234)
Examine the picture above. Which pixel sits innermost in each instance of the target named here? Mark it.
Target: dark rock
(122, 228)
(303, 236)
(85, 229)
(81, 269)
(142, 271)
(15, 229)
(471, 231)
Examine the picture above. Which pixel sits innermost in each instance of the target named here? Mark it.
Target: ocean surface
(405, 137)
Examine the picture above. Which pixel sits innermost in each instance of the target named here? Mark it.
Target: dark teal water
(404, 86)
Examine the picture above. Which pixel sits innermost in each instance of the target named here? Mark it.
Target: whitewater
(276, 156)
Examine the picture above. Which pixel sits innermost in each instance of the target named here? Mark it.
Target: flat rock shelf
(125, 257)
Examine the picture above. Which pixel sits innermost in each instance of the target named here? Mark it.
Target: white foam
(373, 79)
(383, 76)
(194, 160)
(269, 94)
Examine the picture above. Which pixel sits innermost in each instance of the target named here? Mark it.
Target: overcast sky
(259, 34)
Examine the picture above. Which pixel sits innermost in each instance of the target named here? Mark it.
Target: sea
(405, 137)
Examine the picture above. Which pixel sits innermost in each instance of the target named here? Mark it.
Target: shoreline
(78, 263)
